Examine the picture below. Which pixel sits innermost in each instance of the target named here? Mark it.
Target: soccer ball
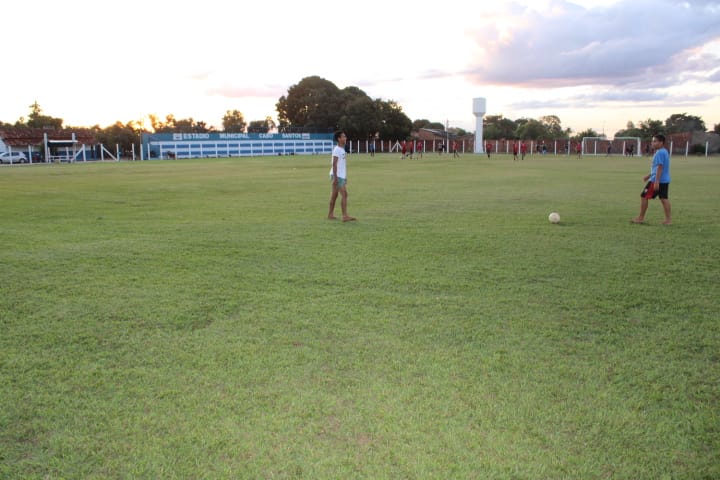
(554, 217)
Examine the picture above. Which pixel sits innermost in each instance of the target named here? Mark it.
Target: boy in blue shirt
(658, 182)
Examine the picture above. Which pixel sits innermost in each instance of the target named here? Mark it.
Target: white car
(13, 157)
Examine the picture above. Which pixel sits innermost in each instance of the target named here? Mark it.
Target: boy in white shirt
(338, 176)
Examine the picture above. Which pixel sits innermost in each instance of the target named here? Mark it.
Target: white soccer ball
(554, 217)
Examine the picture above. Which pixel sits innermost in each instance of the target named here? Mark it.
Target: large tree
(553, 126)
(313, 105)
(682, 122)
(233, 122)
(531, 129)
(394, 124)
(317, 105)
(361, 118)
(495, 127)
(651, 127)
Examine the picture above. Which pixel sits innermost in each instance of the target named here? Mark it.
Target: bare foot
(637, 220)
(349, 219)
(667, 222)
(332, 217)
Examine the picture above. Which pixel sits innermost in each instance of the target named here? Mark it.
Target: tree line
(496, 127)
(316, 105)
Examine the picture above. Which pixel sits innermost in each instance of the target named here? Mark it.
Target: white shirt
(339, 152)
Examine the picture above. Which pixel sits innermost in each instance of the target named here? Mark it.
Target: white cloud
(627, 42)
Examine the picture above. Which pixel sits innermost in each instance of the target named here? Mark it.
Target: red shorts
(649, 191)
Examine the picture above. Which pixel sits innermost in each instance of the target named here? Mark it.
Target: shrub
(697, 149)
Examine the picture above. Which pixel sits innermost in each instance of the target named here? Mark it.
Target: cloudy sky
(595, 64)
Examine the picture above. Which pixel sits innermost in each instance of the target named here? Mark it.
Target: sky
(594, 64)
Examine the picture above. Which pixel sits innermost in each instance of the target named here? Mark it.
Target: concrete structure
(221, 144)
(479, 111)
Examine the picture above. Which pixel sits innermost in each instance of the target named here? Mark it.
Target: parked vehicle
(13, 157)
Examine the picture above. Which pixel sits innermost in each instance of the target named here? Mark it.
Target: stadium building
(211, 145)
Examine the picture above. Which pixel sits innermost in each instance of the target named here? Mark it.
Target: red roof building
(20, 138)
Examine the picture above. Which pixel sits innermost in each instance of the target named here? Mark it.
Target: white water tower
(479, 111)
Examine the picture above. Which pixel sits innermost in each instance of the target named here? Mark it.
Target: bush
(697, 149)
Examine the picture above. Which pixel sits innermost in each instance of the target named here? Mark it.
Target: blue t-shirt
(662, 157)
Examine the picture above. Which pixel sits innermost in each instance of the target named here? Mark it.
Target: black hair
(338, 134)
(660, 138)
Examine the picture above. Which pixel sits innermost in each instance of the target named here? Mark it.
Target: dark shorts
(649, 192)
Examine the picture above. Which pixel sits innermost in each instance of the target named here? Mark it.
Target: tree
(645, 129)
(630, 131)
(650, 128)
(313, 105)
(394, 124)
(716, 129)
(173, 125)
(261, 126)
(163, 127)
(360, 118)
(531, 130)
(156, 124)
(194, 127)
(495, 127)
(125, 136)
(553, 126)
(233, 122)
(682, 122)
(37, 120)
(586, 133)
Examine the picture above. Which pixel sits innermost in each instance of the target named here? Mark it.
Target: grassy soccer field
(202, 319)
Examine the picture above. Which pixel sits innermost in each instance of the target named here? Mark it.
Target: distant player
(419, 149)
(488, 149)
(338, 176)
(523, 150)
(578, 150)
(515, 151)
(455, 149)
(658, 181)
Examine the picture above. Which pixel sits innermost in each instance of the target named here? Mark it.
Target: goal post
(628, 146)
(595, 145)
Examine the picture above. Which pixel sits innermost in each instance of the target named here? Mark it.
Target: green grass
(202, 319)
